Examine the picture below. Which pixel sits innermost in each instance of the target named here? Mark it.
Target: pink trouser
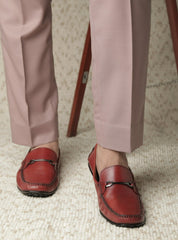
(120, 31)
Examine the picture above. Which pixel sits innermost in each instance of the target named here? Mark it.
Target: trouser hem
(37, 135)
(119, 138)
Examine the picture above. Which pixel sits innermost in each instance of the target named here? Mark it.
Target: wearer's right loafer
(38, 174)
(118, 197)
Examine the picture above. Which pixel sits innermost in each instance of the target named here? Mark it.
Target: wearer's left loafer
(38, 174)
(118, 197)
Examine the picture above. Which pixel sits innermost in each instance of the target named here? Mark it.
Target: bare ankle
(107, 157)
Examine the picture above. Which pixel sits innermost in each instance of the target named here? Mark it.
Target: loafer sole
(128, 225)
(37, 193)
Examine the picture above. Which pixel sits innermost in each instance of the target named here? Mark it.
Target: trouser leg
(26, 38)
(120, 31)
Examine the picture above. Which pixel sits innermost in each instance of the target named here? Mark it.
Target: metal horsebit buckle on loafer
(109, 184)
(129, 184)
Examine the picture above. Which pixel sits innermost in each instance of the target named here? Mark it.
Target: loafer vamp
(38, 174)
(118, 191)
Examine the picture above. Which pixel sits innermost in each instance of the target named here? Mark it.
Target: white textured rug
(72, 212)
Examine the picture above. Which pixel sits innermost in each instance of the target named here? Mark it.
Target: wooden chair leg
(80, 86)
(86, 62)
(173, 21)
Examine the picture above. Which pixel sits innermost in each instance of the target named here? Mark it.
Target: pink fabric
(31, 86)
(120, 32)
(120, 42)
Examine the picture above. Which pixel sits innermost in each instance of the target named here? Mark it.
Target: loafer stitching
(42, 184)
(120, 215)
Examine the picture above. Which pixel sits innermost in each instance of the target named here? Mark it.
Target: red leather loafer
(118, 197)
(38, 174)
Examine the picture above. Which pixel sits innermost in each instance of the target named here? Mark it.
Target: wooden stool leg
(173, 21)
(80, 87)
